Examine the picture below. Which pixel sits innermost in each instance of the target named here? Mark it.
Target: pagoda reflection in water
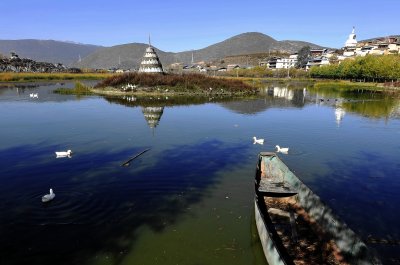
(152, 115)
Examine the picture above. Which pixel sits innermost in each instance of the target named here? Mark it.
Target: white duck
(48, 197)
(282, 150)
(258, 141)
(64, 153)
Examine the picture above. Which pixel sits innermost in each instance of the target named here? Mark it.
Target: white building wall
(285, 63)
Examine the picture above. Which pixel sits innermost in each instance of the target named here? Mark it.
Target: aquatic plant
(79, 89)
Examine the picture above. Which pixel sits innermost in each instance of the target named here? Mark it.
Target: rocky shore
(19, 65)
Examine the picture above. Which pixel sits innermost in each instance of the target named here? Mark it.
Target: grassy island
(172, 84)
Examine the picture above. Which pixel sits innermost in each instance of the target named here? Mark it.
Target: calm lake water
(189, 199)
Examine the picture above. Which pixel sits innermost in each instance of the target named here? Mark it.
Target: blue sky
(177, 25)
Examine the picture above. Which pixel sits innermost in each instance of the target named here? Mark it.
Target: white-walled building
(282, 63)
(317, 61)
(379, 46)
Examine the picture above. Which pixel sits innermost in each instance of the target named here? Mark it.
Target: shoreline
(11, 77)
(7, 79)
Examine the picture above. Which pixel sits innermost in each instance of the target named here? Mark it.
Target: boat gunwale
(276, 243)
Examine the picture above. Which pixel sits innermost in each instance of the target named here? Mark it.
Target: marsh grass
(346, 85)
(192, 83)
(79, 89)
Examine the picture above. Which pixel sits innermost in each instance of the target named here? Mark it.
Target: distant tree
(303, 55)
(333, 59)
(369, 68)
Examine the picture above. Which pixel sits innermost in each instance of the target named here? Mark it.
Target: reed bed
(178, 83)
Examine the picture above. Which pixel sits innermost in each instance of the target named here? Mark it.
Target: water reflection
(361, 102)
(152, 115)
(101, 208)
(351, 187)
(107, 203)
(11, 92)
(377, 109)
(281, 92)
(339, 114)
(371, 104)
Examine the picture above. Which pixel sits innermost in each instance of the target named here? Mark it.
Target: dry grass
(185, 82)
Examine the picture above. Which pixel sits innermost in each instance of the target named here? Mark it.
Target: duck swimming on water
(282, 150)
(64, 153)
(48, 197)
(258, 141)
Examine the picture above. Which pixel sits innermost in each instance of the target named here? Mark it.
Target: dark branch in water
(126, 164)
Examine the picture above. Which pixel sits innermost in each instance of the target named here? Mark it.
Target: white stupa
(351, 41)
(349, 49)
(150, 62)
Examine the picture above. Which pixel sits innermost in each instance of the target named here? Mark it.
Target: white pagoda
(150, 62)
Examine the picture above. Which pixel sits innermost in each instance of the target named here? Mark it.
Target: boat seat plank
(275, 189)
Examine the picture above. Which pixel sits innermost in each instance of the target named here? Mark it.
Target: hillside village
(317, 57)
(273, 59)
(352, 48)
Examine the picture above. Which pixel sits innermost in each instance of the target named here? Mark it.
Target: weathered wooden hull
(271, 251)
(349, 244)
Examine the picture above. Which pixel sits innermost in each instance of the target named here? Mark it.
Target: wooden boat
(295, 226)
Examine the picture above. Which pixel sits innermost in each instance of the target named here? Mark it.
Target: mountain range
(50, 51)
(129, 55)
